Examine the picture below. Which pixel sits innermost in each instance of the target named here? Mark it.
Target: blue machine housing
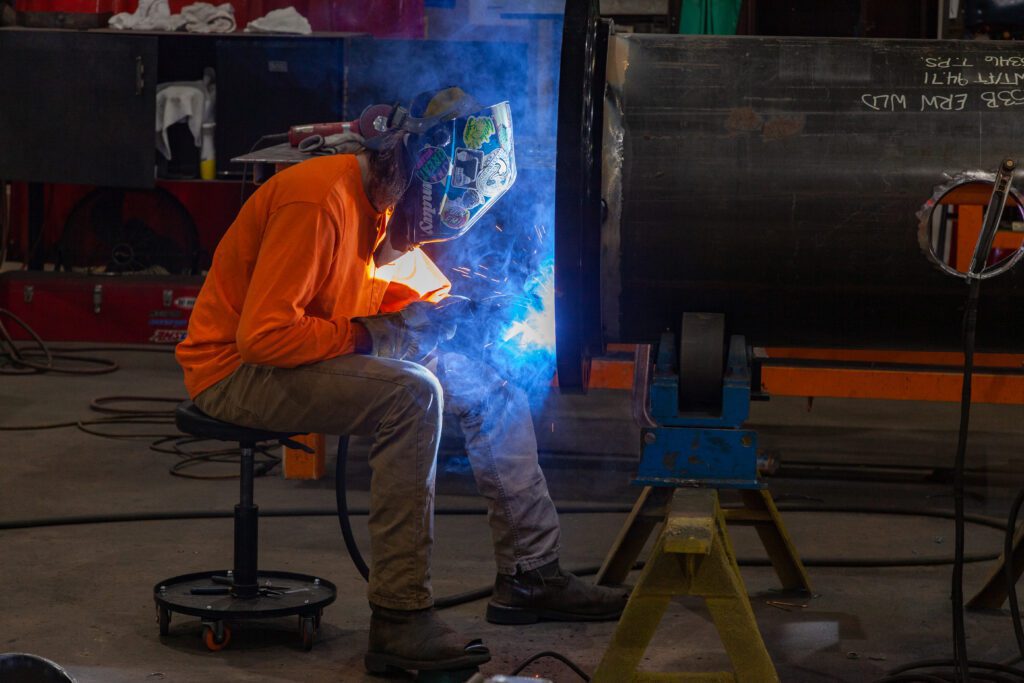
(692, 449)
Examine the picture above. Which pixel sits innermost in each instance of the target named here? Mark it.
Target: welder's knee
(421, 390)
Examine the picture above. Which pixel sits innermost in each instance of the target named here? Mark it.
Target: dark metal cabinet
(266, 84)
(77, 107)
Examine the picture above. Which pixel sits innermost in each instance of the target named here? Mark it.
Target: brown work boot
(418, 640)
(550, 593)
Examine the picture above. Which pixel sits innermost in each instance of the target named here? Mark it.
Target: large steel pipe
(776, 180)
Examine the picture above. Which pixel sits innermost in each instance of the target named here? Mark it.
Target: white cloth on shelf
(179, 100)
(286, 20)
(151, 15)
(176, 102)
(203, 17)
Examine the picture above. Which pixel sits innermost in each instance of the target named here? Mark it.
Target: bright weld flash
(536, 329)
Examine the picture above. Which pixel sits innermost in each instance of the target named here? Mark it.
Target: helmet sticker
(479, 130)
(467, 167)
(454, 216)
(432, 164)
(496, 175)
(504, 136)
(470, 198)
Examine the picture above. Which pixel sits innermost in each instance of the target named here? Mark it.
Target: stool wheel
(163, 617)
(307, 630)
(216, 636)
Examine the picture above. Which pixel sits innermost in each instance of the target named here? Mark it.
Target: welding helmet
(460, 154)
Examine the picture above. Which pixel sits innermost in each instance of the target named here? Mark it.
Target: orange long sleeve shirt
(293, 269)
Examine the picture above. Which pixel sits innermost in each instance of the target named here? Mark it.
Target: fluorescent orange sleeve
(295, 257)
(416, 278)
(289, 274)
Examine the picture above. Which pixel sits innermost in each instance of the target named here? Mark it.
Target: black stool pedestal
(243, 592)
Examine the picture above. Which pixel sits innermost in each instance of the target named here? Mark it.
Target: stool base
(207, 595)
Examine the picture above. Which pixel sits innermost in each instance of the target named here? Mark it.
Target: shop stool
(244, 592)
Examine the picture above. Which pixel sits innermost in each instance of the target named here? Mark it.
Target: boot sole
(381, 663)
(518, 616)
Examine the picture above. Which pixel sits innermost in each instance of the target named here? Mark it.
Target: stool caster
(308, 627)
(163, 617)
(216, 635)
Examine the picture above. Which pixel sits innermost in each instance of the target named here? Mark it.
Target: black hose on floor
(341, 496)
(180, 515)
(19, 360)
(1008, 571)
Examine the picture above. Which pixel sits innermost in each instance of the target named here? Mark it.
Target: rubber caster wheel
(212, 642)
(163, 618)
(307, 630)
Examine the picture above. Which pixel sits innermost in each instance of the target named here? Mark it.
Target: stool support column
(246, 530)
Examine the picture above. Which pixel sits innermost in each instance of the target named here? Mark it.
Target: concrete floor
(81, 595)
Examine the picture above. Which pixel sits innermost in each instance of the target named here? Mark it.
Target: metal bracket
(97, 298)
(694, 450)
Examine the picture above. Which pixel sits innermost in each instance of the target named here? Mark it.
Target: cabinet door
(77, 107)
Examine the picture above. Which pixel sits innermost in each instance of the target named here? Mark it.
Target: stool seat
(191, 420)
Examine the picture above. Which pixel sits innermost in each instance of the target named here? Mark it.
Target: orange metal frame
(926, 384)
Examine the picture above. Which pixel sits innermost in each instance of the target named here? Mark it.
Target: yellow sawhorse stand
(693, 556)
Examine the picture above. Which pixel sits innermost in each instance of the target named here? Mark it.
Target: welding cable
(105, 404)
(961, 666)
(989, 671)
(172, 443)
(970, 326)
(341, 498)
(132, 517)
(17, 360)
(163, 417)
(1008, 571)
(576, 669)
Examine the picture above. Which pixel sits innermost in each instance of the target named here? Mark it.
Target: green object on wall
(709, 17)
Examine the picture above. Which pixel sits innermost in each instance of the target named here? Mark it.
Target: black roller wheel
(307, 630)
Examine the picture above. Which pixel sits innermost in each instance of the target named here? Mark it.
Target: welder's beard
(396, 241)
(389, 172)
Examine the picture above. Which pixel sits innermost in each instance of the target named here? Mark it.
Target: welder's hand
(449, 313)
(415, 331)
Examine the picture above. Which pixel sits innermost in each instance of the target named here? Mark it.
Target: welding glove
(415, 331)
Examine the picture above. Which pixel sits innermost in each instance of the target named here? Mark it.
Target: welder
(321, 313)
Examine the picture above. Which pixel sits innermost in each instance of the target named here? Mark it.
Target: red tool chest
(122, 309)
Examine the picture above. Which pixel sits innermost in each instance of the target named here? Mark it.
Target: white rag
(194, 100)
(151, 15)
(175, 102)
(202, 17)
(286, 20)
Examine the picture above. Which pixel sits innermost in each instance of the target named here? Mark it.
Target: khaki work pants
(400, 405)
